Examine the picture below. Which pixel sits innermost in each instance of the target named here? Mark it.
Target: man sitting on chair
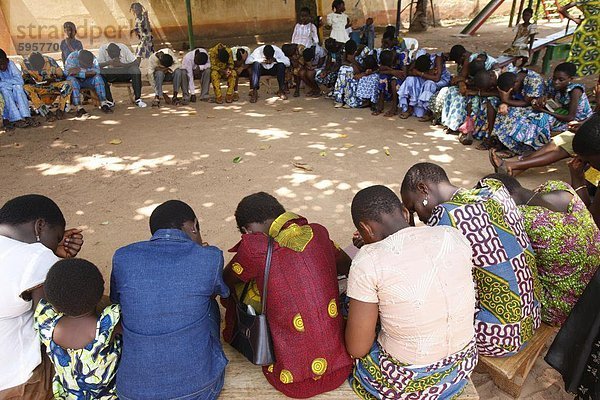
(44, 78)
(118, 64)
(83, 71)
(163, 66)
(197, 66)
(221, 67)
(267, 60)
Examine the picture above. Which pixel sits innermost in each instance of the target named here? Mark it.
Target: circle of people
(421, 303)
(420, 306)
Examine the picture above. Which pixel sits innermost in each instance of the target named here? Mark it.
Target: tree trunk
(419, 19)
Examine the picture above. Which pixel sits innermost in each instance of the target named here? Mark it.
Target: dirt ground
(188, 153)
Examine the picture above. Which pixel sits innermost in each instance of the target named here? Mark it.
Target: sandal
(451, 132)
(426, 118)
(297, 93)
(81, 112)
(229, 98)
(404, 115)
(20, 124)
(219, 100)
(499, 164)
(466, 139)
(236, 96)
(253, 96)
(156, 102)
(106, 109)
(32, 122)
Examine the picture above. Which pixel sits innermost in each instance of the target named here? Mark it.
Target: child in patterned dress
(83, 345)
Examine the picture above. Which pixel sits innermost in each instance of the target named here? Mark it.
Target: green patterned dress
(567, 248)
(585, 48)
(87, 373)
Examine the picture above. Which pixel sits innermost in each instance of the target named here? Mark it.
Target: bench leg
(130, 92)
(548, 55)
(535, 57)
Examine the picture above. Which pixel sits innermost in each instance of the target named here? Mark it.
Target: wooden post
(512, 13)
(190, 23)
(398, 22)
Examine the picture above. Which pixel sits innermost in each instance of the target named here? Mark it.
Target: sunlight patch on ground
(253, 114)
(441, 158)
(107, 163)
(298, 178)
(271, 133)
(110, 122)
(145, 212)
(285, 192)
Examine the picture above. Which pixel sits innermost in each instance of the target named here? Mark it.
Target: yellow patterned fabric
(498, 298)
(294, 236)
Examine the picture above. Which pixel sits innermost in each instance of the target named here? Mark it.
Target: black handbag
(251, 334)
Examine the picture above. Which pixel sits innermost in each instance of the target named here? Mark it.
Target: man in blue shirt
(166, 288)
(83, 71)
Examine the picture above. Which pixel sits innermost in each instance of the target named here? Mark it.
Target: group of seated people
(422, 302)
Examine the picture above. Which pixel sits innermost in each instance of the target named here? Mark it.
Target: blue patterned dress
(87, 373)
(514, 129)
(416, 92)
(508, 290)
(454, 111)
(344, 90)
(584, 110)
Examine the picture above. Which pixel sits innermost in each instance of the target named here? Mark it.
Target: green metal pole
(188, 7)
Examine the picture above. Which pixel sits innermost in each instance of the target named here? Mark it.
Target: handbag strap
(266, 281)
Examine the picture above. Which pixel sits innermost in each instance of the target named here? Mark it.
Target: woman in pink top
(418, 282)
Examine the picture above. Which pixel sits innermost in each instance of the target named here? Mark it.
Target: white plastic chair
(412, 45)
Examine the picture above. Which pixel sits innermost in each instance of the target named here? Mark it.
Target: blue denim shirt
(171, 345)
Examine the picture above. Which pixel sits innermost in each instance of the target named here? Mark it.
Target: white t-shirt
(126, 56)
(23, 266)
(422, 280)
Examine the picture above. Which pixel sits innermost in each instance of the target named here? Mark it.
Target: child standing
(84, 346)
(367, 34)
(70, 43)
(143, 31)
(523, 42)
(305, 32)
(339, 22)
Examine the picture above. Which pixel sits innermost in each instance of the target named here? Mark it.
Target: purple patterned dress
(567, 247)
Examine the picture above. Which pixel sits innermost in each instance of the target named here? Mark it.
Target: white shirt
(258, 56)
(153, 63)
(234, 50)
(126, 56)
(306, 35)
(189, 65)
(338, 27)
(422, 280)
(22, 267)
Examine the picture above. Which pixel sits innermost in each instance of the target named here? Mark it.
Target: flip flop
(466, 139)
(404, 115)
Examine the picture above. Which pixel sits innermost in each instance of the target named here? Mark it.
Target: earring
(425, 202)
(37, 237)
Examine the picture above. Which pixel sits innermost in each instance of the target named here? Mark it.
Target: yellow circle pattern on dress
(270, 368)
(237, 268)
(332, 309)
(298, 323)
(319, 366)
(286, 377)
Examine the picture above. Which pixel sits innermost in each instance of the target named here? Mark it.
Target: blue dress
(515, 129)
(344, 90)
(416, 92)
(454, 111)
(16, 105)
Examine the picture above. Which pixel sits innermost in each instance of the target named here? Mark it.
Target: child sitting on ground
(523, 42)
(84, 346)
(344, 92)
(312, 59)
(389, 76)
(367, 81)
(328, 74)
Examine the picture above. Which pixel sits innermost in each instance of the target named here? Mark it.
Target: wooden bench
(510, 373)
(244, 380)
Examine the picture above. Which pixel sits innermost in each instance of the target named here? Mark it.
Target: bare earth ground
(187, 153)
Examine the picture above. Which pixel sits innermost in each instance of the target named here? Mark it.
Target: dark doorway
(311, 4)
